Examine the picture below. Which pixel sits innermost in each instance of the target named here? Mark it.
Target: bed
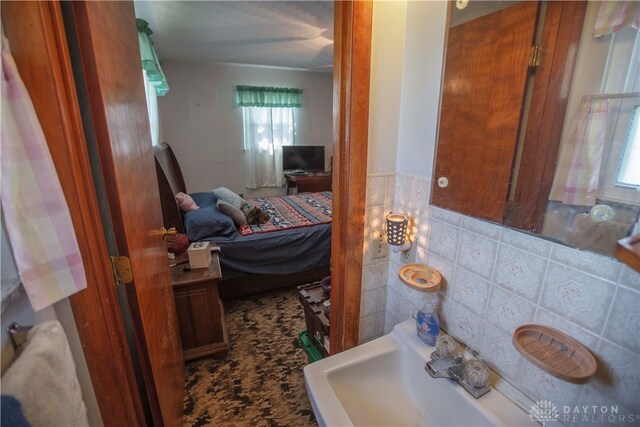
(293, 247)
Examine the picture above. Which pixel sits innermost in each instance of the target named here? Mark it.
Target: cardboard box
(199, 255)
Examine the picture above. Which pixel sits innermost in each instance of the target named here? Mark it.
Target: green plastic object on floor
(312, 352)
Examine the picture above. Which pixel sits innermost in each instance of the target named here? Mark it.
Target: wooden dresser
(308, 183)
(200, 311)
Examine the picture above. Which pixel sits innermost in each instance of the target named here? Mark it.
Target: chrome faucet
(439, 368)
(471, 374)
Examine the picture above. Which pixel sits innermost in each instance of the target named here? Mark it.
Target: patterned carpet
(260, 381)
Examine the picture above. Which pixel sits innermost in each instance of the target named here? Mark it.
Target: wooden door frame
(562, 30)
(351, 70)
(39, 45)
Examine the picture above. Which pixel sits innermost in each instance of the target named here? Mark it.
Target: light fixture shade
(396, 229)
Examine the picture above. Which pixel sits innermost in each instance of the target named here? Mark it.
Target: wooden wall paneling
(352, 60)
(561, 37)
(38, 43)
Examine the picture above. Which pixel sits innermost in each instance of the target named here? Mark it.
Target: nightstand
(308, 182)
(199, 308)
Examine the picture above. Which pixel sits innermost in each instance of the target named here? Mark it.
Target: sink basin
(383, 383)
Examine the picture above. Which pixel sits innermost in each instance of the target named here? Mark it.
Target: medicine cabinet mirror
(539, 121)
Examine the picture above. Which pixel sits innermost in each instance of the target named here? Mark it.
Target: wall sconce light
(396, 229)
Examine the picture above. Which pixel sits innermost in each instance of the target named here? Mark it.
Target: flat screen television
(303, 158)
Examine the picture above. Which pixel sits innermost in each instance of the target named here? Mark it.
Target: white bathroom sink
(383, 383)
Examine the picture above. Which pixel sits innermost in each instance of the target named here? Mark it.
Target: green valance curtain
(274, 97)
(150, 61)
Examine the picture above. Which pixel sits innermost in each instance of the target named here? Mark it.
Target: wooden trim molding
(39, 45)
(352, 62)
(561, 35)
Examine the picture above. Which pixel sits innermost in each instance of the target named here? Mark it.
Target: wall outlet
(379, 246)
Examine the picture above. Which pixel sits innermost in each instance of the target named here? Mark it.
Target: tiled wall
(497, 279)
(380, 190)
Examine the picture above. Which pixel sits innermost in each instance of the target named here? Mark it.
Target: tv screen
(309, 158)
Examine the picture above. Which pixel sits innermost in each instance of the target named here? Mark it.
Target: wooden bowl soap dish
(420, 277)
(555, 352)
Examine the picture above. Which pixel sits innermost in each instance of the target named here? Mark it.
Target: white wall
(495, 279)
(200, 120)
(387, 48)
(422, 74)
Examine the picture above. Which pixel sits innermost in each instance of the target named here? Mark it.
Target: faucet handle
(445, 347)
(476, 373)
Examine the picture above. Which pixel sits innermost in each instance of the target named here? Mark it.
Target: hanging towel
(43, 379)
(35, 210)
(614, 15)
(578, 169)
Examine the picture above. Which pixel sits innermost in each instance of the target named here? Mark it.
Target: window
(628, 171)
(620, 175)
(269, 121)
(266, 130)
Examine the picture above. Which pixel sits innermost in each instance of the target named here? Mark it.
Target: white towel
(43, 378)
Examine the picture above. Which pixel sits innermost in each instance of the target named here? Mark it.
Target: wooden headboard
(170, 183)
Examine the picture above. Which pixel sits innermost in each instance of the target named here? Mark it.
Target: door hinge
(121, 269)
(536, 55)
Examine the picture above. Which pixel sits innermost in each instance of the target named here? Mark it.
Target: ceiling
(291, 34)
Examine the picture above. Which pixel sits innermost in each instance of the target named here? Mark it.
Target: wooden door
(108, 43)
(482, 102)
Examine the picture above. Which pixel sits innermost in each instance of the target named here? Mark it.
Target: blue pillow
(208, 222)
(204, 199)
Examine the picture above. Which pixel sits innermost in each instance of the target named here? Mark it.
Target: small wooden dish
(420, 277)
(555, 352)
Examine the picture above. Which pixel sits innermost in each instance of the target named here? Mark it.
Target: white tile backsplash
(618, 375)
(520, 272)
(539, 385)
(495, 279)
(624, 321)
(376, 191)
(496, 348)
(470, 291)
(485, 228)
(443, 239)
(446, 216)
(588, 262)
(526, 242)
(630, 278)
(578, 297)
(463, 324)
(477, 254)
(507, 311)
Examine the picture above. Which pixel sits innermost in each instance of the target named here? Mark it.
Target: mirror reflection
(539, 124)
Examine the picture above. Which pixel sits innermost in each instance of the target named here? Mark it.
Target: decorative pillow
(185, 202)
(208, 222)
(224, 194)
(235, 213)
(204, 199)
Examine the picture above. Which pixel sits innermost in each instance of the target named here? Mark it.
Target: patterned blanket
(298, 210)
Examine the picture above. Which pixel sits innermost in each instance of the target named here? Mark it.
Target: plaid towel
(35, 210)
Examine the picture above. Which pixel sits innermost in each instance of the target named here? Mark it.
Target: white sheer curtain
(266, 130)
(152, 109)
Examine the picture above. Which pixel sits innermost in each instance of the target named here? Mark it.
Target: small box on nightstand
(199, 255)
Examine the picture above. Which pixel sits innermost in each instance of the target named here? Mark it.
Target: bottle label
(428, 327)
